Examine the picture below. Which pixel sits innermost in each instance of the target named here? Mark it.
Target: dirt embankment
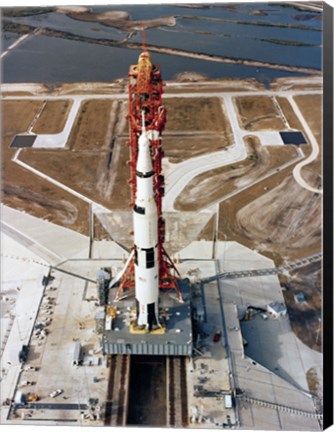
(214, 185)
(311, 108)
(117, 19)
(286, 220)
(305, 316)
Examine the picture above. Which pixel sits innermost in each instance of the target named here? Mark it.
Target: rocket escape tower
(145, 88)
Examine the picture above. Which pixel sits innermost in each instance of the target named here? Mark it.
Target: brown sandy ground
(87, 172)
(305, 316)
(315, 382)
(257, 113)
(283, 223)
(91, 88)
(208, 232)
(94, 150)
(78, 169)
(52, 118)
(289, 113)
(189, 82)
(213, 185)
(229, 209)
(99, 232)
(297, 83)
(108, 118)
(195, 126)
(311, 108)
(195, 114)
(94, 125)
(25, 191)
(120, 191)
(293, 121)
(180, 147)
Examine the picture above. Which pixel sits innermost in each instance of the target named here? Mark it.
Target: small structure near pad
(294, 137)
(22, 141)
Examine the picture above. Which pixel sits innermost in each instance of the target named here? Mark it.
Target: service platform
(176, 340)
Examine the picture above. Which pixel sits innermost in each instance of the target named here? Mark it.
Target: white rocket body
(145, 221)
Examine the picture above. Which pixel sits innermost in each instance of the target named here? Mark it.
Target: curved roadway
(179, 175)
(315, 150)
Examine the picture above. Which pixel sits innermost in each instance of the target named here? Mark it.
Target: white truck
(228, 401)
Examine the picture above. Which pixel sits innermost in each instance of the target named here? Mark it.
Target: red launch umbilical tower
(145, 88)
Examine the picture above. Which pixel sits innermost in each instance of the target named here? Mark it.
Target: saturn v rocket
(145, 223)
(149, 268)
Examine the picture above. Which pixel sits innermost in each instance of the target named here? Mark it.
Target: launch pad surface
(208, 376)
(176, 340)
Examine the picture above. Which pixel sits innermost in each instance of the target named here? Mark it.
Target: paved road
(179, 175)
(29, 243)
(59, 140)
(213, 93)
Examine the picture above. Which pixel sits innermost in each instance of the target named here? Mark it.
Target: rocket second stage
(145, 222)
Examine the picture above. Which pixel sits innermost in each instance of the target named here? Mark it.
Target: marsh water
(254, 31)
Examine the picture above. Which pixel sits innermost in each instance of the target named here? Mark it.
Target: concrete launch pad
(176, 340)
(217, 368)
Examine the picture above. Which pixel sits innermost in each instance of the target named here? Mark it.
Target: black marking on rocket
(149, 258)
(145, 175)
(139, 210)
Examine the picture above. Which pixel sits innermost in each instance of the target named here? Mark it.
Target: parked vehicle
(216, 336)
(23, 354)
(56, 393)
(227, 401)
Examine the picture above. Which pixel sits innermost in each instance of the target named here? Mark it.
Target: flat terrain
(286, 218)
(311, 108)
(211, 186)
(195, 126)
(180, 148)
(258, 113)
(52, 118)
(85, 137)
(94, 160)
(194, 114)
(25, 191)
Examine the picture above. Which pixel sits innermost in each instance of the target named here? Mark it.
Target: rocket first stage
(145, 222)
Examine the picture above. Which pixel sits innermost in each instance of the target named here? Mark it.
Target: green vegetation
(255, 23)
(25, 11)
(8, 26)
(253, 156)
(287, 42)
